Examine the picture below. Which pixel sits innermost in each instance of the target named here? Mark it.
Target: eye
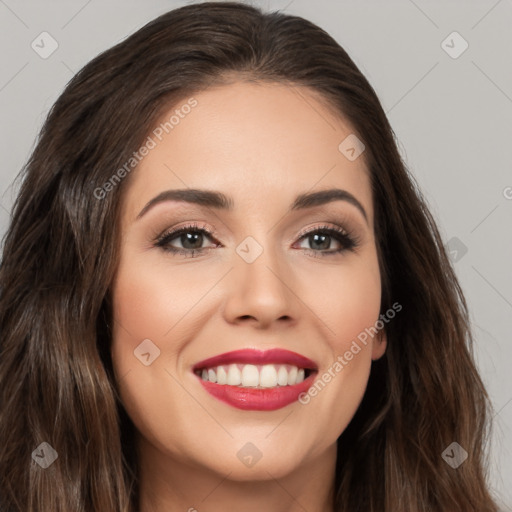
(188, 241)
(190, 237)
(320, 240)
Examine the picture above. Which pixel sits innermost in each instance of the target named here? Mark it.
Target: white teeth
(221, 375)
(268, 376)
(234, 375)
(282, 376)
(250, 376)
(292, 375)
(254, 376)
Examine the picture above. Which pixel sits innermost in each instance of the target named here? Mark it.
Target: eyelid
(347, 223)
(324, 226)
(191, 226)
(195, 225)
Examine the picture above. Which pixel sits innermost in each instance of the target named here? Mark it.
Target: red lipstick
(252, 398)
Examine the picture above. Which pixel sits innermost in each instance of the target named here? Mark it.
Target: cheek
(151, 299)
(358, 306)
(157, 309)
(148, 305)
(347, 300)
(349, 305)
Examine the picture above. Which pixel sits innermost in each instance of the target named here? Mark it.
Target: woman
(173, 338)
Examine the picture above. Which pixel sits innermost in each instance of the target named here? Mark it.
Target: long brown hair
(62, 246)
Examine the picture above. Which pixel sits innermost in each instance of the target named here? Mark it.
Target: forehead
(253, 141)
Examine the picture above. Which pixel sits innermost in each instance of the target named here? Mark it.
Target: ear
(379, 345)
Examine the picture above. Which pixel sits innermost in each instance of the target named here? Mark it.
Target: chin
(268, 467)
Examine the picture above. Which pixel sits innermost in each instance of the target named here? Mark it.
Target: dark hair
(61, 251)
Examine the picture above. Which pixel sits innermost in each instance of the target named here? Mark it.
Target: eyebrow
(218, 200)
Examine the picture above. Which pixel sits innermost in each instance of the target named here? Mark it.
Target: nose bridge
(258, 266)
(259, 285)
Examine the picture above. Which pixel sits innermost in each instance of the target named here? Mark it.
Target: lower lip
(251, 399)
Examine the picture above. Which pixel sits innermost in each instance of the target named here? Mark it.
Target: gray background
(452, 117)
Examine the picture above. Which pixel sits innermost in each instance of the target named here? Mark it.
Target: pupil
(325, 243)
(188, 238)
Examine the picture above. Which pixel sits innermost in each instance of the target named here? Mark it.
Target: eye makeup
(196, 233)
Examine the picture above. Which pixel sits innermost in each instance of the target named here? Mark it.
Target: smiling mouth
(254, 376)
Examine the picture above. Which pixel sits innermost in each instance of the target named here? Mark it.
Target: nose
(261, 292)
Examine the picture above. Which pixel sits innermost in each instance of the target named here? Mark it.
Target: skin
(262, 145)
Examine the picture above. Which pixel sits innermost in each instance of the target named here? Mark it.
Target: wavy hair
(62, 246)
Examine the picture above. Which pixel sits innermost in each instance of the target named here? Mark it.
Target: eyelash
(348, 242)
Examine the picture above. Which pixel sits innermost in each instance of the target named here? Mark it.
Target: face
(290, 283)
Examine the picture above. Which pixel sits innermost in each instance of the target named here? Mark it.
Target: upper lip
(254, 356)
